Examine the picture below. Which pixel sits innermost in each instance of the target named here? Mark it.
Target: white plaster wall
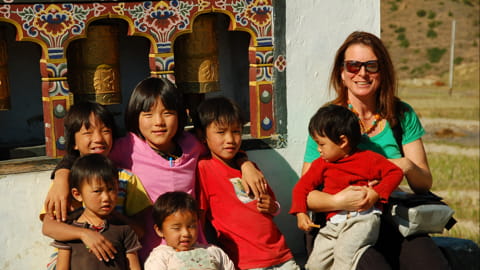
(22, 245)
(314, 30)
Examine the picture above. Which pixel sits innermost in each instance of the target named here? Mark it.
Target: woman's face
(360, 84)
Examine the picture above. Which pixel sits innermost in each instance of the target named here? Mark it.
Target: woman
(364, 80)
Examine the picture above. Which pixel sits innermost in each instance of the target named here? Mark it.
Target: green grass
(438, 103)
(456, 177)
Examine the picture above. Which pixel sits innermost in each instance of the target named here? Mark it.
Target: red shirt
(356, 169)
(251, 239)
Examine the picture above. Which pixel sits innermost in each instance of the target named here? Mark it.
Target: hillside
(418, 35)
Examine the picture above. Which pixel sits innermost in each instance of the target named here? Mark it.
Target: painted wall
(314, 30)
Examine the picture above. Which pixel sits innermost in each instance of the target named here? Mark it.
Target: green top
(383, 143)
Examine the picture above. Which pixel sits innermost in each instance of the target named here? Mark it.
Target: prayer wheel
(4, 85)
(196, 57)
(93, 66)
(196, 61)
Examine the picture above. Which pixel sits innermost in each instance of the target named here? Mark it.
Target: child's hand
(265, 204)
(253, 180)
(57, 201)
(304, 222)
(97, 244)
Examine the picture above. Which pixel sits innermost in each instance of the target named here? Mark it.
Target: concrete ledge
(462, 254)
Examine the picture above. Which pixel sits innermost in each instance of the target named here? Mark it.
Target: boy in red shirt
(347, 234)
(244, 225)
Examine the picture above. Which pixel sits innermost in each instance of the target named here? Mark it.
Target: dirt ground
(452, 136)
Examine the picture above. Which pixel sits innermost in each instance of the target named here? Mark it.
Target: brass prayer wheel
(4, 85)
(196, 58)
(93, 66)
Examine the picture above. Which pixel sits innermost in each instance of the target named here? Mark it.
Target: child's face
(96, 139)
(159, 126)
(179, 230)
(329, 150)
(223, 141)
(98, 198)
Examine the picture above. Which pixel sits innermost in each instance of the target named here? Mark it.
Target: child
(244, 225)
(176, 220)
(158, 149)
(94, 181)
(347, 234)
(90, 128)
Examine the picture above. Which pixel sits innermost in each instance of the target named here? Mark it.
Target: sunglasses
(355, 66)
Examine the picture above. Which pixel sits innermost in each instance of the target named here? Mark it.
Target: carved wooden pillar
(4, 85)
(56, 101)
(94, 67)
(261, 91)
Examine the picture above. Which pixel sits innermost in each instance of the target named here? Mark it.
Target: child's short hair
(172, 202)
(332, 121)
(93, 166)
(144, 97)
(79, 115)
(218, 109)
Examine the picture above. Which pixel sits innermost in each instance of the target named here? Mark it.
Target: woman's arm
(414, 165)
(98, 244)
(57, 200)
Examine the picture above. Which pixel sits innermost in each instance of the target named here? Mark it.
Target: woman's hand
(351, 198)
(253, 179)
(304, 222)
(97, 244)
(372, 198)
(57, 202)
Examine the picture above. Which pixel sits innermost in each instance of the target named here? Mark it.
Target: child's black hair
(332, 121)
(78, 116)
(219, 109)
(93, 166)
(145, 96)
(172, 202)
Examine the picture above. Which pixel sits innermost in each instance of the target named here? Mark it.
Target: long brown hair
(386, 100)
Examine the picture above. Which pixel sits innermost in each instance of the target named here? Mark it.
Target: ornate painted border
(53, 26)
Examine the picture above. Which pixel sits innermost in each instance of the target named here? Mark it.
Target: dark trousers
(403, 253)
(393, 251)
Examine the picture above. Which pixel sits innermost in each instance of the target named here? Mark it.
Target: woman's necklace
(364, 129)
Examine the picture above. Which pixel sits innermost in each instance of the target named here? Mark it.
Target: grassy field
(456, 175)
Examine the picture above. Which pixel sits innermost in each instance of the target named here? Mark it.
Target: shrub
(393, 6)
(405, 43)
(421, 13)
(431, 33)
(431, 14)
(400, 30)
(458, 60)
(434, 24)
(435, 54)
